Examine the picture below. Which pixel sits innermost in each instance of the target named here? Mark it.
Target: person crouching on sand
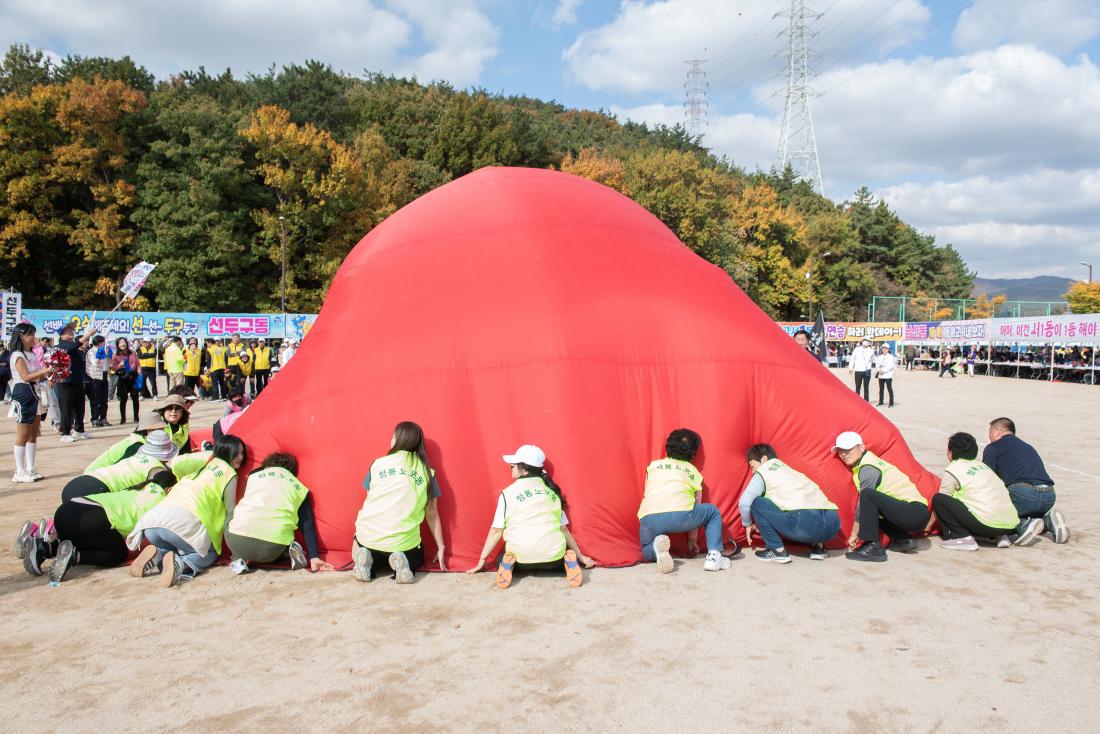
(531, 519)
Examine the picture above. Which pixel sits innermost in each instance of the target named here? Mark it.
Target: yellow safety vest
(269, 509)
(173, 360)
(217, 357)
(192, 356)
(234, 351)
(114, 454)
(128, 472)
(184, 465)
(983, 493)
(201, 495)
(893, 483)
(147, 357)
(390, 518)
(790, 489)
(124, 509)
(262, 358)
(532, 521)
(245, 367)
(180, 435)
(670, 486)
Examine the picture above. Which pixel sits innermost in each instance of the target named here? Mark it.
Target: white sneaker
(33, 475)
(1003, 541)
(716, 562)
(85, 435)
(661, 544)
(20, 478)
(66, 439)
(239, 567)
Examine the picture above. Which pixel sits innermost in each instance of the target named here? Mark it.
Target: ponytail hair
(541, 473)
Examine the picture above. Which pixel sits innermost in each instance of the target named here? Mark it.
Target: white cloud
(642, 48)
(251, 35)
(1058, 25)
(565, 13)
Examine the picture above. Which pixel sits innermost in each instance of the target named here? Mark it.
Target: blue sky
(978, 120)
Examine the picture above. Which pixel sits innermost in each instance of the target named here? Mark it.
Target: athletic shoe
(34, 553)
(1055, 524)
(961, 544)
(239, 566)
(362, 560)
(1003, 541)
(297, 556)
(29, 530)
(33, 475)
(66, 556)
(171, 570)
(661, 544)
(872, 552)
(573, 573)
(733, 550)
(66, 439)
(47, 531)
(504, 571)
(903, 545)
(21, 478)
(85, 435)
(1031, 533)
(769, 554)
(716, 562)
(400, 565)
(147, 562)
(818, 552)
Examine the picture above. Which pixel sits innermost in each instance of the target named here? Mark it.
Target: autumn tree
(1084, 297)
(591, 164)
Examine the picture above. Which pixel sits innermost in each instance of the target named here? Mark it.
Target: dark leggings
(555, 566)
(887, 383)
(956, 520)
(380, 560)
(86, 526)
(261, 377)
(899, 518)
(82, 486)
(125, 389)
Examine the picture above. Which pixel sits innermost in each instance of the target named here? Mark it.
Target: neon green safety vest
(180, 435)
(114, 454)
(670, 486)
(124, 509)
(983, 493)
(184, 465)
(532, 521)
(790, 489)
(269, 509)
(173, 360)
(128, 472)
(202, 496)
(893, 483)
(391, 515)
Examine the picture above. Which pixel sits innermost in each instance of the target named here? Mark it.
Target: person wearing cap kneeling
(672, 503)
(887, 498)
(184, 532)
(972, 500)
(779, 503)
(530, 517)
(402, 490)
(176, 412)
(151, 457)
(275, 504)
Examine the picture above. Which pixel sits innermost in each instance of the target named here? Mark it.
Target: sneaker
(147, 563)
(873, 552)
(731, 549)
(29, 530)
(1031, 532)
(661, 544)
(21, 478)
(361, 559)
(575, 576)
(716, 562)
(171, 570)
(903, 545)
(298, 558)
(770, 554)
(46, 530)
(504, 571)
(1055, 524)
(66, 556)
(961, 544)
(33, 476)
(400, 565)
(1003, 541)
(818, 552)
(239, 566)
(34, 553)
(85, 435)
(66, 439)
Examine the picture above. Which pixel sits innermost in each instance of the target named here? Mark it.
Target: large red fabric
(526, 306)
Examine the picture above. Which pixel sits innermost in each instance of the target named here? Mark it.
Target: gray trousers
(253, 550)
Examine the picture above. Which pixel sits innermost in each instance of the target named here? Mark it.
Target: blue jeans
(1030, 502)
(799, 526)
(663, 523)
(165, 540)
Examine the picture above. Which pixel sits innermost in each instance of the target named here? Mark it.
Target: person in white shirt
(862, 361)
(885, 363)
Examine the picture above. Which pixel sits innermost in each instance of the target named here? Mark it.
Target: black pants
(125, 388)
(82, 486)
(260, 378)
(557, 566)
(947, 368)
(86, 526)
(97, 398)
(72, 406)
(150, 375)
(888, 383)
(898, 518)
(864, 378)
(192, 381)
(956, 521)
(380, 560)
(4, 380)
(218, 388)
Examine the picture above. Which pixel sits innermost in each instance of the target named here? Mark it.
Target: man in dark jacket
(71, 388)
(1032, 490)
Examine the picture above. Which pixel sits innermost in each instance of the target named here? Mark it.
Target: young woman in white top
(885, 363)
(26, 373)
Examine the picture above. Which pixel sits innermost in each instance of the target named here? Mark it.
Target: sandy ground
(937, 641)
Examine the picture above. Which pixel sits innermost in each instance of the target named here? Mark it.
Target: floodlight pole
(282, 232)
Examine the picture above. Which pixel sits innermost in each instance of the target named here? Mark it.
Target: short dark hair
(281, 460)
(1005, 424)
(962, 446)
(761, 452)
(164, 479)
(683, 444)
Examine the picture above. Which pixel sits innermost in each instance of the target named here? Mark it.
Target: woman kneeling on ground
(532, 522)
(401, 491)
(185, 531)
(151, 457)
(275, 504)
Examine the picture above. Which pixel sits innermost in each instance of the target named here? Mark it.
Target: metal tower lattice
(696, 106)
(797, 144)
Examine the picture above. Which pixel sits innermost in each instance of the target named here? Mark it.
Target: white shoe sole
(137, 568)
(661, 544)
(24, 532)
(1029, 536)
(1058, 528)
(400, 565)
(361, 560)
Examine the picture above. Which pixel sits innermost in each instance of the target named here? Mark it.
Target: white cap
(847, 440)
(527, 454)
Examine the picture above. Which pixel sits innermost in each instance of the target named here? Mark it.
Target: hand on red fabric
(587, 562)
(480, 565)
(439, 560)
(316, 564)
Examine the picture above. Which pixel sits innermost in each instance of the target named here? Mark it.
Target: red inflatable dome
(521, 306)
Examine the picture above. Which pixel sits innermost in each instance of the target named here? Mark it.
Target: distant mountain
(1041, 288)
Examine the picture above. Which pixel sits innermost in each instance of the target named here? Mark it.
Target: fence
(911, 308)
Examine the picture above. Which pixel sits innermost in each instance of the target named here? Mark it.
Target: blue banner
(157, 324)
